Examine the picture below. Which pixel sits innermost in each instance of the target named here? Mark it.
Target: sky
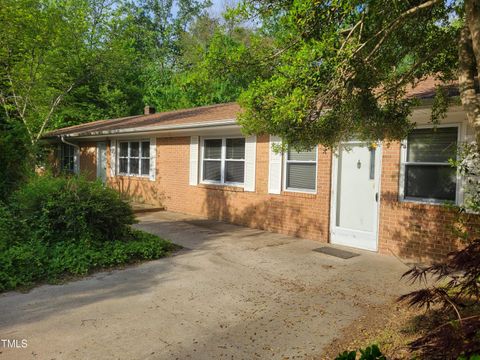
(218, 6)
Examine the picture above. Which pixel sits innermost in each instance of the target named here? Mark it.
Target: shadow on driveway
(236, 293)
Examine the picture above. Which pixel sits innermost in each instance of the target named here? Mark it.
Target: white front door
(355, 195)
(102, 161)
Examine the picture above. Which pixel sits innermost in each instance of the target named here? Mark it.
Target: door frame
(98, 162)
(333, 206)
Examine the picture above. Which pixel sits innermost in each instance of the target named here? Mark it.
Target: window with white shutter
(274, 166)
(193, 178)
(223, 161)
(134, 158)
(301, 170)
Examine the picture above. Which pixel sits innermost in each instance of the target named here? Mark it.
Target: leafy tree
(341, 67)
(218, 61)
(44, 45)
(112, 86)
(67, 62)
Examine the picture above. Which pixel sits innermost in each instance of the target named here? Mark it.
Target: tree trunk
(469, 64)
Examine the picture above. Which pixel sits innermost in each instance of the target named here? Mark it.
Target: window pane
(67, 157)
(211, 170)
(430, 182)
(67, 150)
(124, 149)
(213, 149)
(432, 145)
(133, 166)
(234, 171)
(302, 156)
(301, 176)
(235, 149)
(145, 166)
(123, 166)
(145, 149)
(134, 148)
(67, 163)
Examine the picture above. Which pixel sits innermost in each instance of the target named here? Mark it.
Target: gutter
(76, 154)
(62, 137)
(149, 129)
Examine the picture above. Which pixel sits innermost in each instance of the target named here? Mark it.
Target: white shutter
(76, 160)
(250, 157)
(153, 158)
(113, 157)
(274, 167)
(193, 160)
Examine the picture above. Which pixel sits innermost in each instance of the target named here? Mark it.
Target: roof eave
(152, 129)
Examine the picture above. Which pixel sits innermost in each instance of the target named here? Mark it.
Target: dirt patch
(391, 326)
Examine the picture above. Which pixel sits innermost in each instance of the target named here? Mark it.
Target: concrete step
(145, 208)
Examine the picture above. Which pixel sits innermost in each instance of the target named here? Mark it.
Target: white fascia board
(156, 129)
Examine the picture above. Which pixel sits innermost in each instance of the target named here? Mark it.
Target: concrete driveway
(233, 293)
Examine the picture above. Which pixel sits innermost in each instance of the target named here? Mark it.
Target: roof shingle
(176, 117)
(423, 89)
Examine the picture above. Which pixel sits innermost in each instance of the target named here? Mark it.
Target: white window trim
(284, 175)
(223, 159)
(461, 134)
(139, 175)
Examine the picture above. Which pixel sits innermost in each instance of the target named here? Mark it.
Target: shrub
(22, 264)
(15, 156)
(68, 226)
(369, 353)
(59, 209)
(5, 227)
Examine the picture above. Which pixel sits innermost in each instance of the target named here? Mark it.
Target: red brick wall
(88, 159)
(412, 230)
(408, 230)
(304, 215)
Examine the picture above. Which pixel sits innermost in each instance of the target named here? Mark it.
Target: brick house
(384, 197)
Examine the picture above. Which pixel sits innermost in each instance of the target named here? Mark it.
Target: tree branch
(21, 113)
(55, 103)
(352, 30)
(389, 29)
(466, 80)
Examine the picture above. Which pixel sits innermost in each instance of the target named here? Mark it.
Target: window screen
(432, 145)
(428, 174)
(301, 170)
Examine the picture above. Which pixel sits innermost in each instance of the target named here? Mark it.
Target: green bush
(5, 227)
(16, 157)
(68, 226)
(369, 353)
(22, 264)
(62, 208)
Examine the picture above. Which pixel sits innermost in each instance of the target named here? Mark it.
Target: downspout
(76, 165)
